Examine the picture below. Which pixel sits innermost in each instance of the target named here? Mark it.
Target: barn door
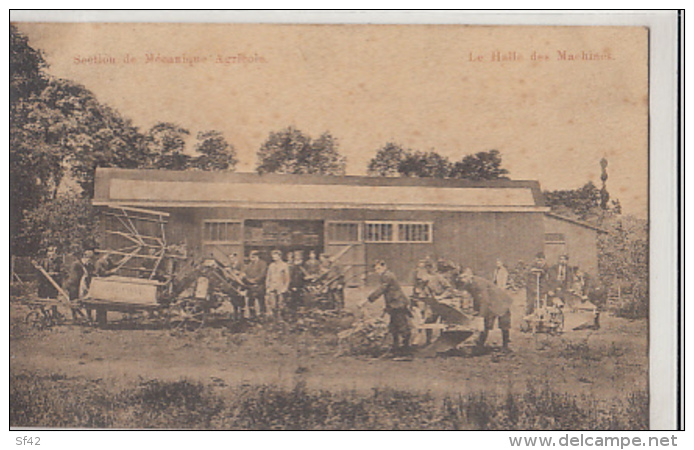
(344, 239)
(221, 238)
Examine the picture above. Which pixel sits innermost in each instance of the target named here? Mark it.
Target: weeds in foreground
(56, 401)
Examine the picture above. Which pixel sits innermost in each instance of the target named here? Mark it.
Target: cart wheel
(35, 320)
(187, 317)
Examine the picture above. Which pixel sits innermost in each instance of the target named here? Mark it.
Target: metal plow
(451, 328)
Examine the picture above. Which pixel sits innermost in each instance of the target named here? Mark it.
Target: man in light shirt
(277, 283)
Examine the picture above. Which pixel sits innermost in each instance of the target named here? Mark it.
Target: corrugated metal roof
(194, 188)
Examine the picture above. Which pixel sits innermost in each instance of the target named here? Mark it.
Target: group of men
(553, 285)
(281, 285)
(490, 299)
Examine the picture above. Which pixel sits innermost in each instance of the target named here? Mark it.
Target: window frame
(218, 221)
(360, 231)
(396, 231)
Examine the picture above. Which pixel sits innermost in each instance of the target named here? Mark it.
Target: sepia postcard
(331, 226)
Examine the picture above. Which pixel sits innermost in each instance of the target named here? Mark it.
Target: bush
(623, 263)
(68, 223)
(55, 401)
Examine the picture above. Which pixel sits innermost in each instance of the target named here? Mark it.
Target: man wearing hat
(536, 283)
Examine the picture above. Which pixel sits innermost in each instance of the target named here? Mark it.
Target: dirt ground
(607, 363)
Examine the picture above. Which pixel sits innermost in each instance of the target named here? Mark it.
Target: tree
(582, 203)
(480, 166)
(623, 262)
(67, 222)
(91, 133)
(33, 165)
(27, 68)
(215, 153)
(392, 160)
(425, 165)
(291, 151)
(165, 145)
(387, 161)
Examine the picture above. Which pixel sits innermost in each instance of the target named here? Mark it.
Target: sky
(552, 100)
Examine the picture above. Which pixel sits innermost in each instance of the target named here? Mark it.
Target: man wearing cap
(397, 307)
(536, 283)
(254, 274)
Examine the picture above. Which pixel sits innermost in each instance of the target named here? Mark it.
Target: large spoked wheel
(36, 320)
(187, 317)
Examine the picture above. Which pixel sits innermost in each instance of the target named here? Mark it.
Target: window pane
(222, 231)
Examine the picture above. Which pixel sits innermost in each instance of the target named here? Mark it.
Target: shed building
(399, 220)
(574, 238)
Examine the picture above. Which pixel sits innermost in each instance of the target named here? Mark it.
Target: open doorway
(284, 235)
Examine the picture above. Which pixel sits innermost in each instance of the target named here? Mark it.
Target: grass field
(291, 377)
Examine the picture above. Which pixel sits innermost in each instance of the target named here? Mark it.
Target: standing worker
(232, 272)
(254, 274)
(560, 278)
(500, 277)
(312, 265)
(277, 283)
(297, 276)
(104, 267)
(397, 307)
(492, 303)
(77, 280)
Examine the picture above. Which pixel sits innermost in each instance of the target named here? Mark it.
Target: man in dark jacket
(561, 278)
(79, 275)
(254, 274)
(77, 280)
(397, 307)
(492, 303)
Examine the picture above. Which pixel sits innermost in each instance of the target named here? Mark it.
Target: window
(344, 232)
(413, 232)
(398, 232)
(378, 232)
(221, 231)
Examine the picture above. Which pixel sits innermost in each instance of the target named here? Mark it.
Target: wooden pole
(52, 281)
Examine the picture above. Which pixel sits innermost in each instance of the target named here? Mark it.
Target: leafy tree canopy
(26, 67)
(387, 161)
(425, 165)
(165, 145)
(480, 166)
(214, 152)
(582, 203)
(67, 222)
(393, 160)
(293, 152)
